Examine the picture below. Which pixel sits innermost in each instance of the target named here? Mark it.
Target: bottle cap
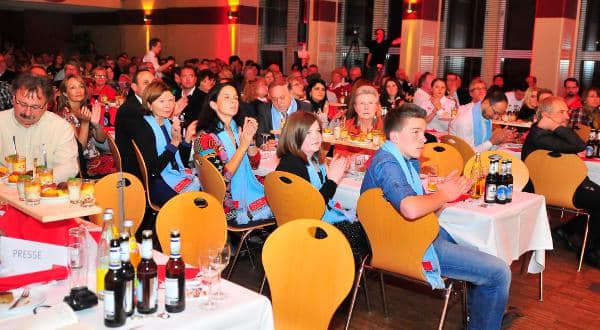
(147, 233)
(128, 223)
(124, 236)
(108, 214)
(175, 232)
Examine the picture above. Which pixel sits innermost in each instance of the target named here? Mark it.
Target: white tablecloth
(241, 309)
(593, 166)
(347, 192)
(506, 231)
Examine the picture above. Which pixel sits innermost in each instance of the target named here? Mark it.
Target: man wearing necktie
(474, 125)
(272, 115)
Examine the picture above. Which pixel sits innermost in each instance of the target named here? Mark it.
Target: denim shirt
(385, 173)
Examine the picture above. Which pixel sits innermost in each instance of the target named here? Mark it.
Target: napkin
(190, 272)
(60, 316)
(13, 282)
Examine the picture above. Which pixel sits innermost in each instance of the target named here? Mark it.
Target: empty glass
(208, 274)
(77, 257)
(219, 258)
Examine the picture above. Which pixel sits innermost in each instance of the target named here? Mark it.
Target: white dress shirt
(462, 126)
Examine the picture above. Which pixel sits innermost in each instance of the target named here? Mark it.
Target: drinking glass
(21, 185)
(74, 186)
(265, 144)
(46, 176)
(33, 191)
(208, 274)
(432, 178)
(77, 257)
(219, 258)
(87, 193)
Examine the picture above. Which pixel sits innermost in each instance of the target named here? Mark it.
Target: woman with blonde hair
(364, 112)
(73, 106)
(530, 104)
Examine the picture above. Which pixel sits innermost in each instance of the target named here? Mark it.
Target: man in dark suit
(128, 117)
(270, 115)
(194, 95)
(5, 74)
(455, 92)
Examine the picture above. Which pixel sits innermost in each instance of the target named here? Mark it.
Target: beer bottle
(175, 277)
(597, 145)
(128, 274)
(102, 256)
(491, 183)
(509, 181)
(147, 280)
(589, 147)
(114, 289)
(501, 189)
(134, 251)
(477, 177)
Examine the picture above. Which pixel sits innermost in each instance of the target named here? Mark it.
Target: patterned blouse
(211, 146)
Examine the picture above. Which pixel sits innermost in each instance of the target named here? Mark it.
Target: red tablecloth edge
(17, 281)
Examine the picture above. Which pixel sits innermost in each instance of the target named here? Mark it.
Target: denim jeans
(488, 275)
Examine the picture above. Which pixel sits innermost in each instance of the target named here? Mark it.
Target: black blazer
(8, 76)
(195, 102)
(128, 120)
(295, 165)
(265, 123)
(562, 139)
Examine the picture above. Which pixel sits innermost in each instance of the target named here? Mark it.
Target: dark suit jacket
(265, 123)
(195, 102)
(8, 76)
(128, 120)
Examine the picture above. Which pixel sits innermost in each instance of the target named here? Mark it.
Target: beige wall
(418, 51)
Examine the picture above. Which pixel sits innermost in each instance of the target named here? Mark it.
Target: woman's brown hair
(152, 92)
(293, 135)
(250, 89)
(63, 100)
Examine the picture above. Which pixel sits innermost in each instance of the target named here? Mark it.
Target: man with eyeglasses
(272, 115)
(474, 124)
(30, 130)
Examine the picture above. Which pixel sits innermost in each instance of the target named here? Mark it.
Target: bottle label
(589, 151)
(139, 293)
(490, 192)
(128, 301)
(153, 292)
(147, 249)
(509, 191)
(171, 291)
(115, 259)
(109, 305)
(501, 192)
(175, 247)
(125, 251)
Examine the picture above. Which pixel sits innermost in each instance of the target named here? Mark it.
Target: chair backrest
(465, 149)
(556, 176)
(584, 132)
(519, 169)
(144, 173)
(291, 197)
(397, 244)
(114, 150)
(445, 156)
(107, 196)
(200, 219)
(309, 277)
(210, 177)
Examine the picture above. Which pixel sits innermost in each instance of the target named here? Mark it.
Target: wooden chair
(519, 169)
(309, 277)
(114, 150)
(200, 219)
(465, 149)
(557, 176)
(291, 197)
(398, 245)
(584, 132)
(445, 156)
(107, 196)
(214, 184)
(145, 178)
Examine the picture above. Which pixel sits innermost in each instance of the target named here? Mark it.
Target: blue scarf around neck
(479, 135)
(332, 213)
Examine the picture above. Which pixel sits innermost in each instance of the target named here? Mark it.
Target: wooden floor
(571, 299)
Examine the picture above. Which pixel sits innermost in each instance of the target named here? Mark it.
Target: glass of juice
(74, 187)
(33, 191)
(87, 193)
(21, 185)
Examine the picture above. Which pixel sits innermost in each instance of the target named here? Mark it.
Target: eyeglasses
(477, 89)
(27, 106)
(496, 112)
(279, 98)
(100, 76)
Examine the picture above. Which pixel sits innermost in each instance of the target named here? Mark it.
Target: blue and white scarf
(479, 135)
(245, 188)
(433, 276)
(332, 213)
(176, 178)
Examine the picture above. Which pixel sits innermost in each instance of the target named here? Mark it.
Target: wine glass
(219, 258)
(208, 275)
(265, 145)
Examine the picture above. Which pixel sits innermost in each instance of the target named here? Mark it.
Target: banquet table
(592, 164)
(241, 309)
